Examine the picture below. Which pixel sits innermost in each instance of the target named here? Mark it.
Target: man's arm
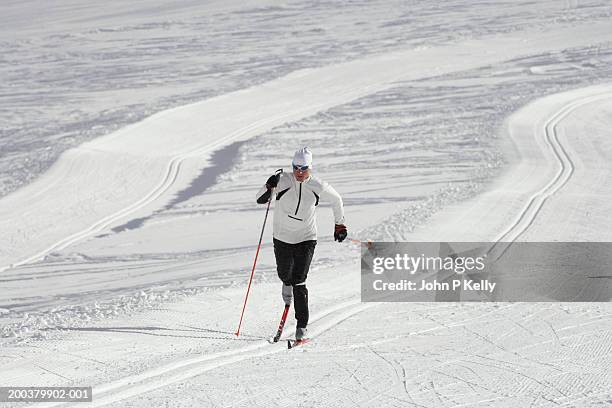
(264, 194)
(328, 193)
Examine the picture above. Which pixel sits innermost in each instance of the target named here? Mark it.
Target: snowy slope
(558, 160)
(74, 71)
(144, 259)
(364, 354)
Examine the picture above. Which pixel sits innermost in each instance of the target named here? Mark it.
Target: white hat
(303, 157)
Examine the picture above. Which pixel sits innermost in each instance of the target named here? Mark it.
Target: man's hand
(272, 181)
(340, 232)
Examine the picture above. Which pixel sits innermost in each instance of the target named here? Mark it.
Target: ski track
(389, 73)
(566, 168)
(172, 171)
(181, 370)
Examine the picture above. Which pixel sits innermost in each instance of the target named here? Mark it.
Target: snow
(551, 171)
(130, 159)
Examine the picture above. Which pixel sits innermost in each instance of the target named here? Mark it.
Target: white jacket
(295, 204)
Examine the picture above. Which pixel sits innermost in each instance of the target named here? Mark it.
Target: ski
(279, 332)
(295, 343)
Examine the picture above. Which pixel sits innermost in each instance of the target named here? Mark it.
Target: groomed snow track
(565, 169)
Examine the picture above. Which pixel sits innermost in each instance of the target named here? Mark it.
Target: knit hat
(303, 157)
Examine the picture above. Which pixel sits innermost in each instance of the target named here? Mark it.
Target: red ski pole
(246, 297)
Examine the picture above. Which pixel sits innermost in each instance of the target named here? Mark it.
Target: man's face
(301, 173)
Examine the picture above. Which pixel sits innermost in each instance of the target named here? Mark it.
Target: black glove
(273, 181)
(340, 232)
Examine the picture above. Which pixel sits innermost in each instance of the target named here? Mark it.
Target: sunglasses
(300, 168)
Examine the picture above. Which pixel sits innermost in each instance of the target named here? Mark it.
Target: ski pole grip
(279, 171)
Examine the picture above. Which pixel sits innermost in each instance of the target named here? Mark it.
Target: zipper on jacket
(299, 200)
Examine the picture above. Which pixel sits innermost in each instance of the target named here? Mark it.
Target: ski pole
(368, 243)
(246, 297)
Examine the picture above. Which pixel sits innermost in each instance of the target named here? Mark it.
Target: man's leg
(300, 295)
(303, 254)
(283, 253)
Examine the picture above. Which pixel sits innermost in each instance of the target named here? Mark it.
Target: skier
(294, 228)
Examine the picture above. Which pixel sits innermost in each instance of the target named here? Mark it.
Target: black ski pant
(292, 265)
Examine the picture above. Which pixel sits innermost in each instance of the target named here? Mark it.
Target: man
(295, 230)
